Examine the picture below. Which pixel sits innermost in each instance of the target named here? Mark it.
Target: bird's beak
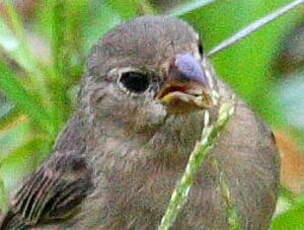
(187, 88)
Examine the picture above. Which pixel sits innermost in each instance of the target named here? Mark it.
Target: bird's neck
(73, 136)
(113, 147)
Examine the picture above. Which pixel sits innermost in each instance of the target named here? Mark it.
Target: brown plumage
(141, 110)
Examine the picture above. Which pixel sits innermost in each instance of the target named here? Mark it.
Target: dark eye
(135, 82)
(200, 48)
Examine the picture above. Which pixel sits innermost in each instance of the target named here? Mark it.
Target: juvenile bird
(141, 109)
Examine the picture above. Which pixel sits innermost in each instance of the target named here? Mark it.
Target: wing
(53, 193)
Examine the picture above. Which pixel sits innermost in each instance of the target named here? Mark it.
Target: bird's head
(146, 70)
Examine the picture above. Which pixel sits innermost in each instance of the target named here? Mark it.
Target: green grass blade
(210, 133)
(187, 7)
(246, 66)
(20, 162)
(102, 18)
(13, 135)
(14, 90)
(291, 219)
(22, 52)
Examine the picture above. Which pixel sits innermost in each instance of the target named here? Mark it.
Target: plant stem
(256, 25)
(209, 135)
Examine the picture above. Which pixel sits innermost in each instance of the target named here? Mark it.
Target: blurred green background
(43, 47)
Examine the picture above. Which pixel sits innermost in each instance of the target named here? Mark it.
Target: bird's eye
(135, 82)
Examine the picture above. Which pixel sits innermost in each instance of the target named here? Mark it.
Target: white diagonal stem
(254, 26)
(181, 191)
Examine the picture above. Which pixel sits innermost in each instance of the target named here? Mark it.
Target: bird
(140, 111)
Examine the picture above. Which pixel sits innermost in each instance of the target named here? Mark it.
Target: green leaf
(20, 52)
(14, 135)
(106, 14)
(14, 48)
(3, 198)
(62, 56)
(19, 47)
(102, 18)
(5, 107)
(187, 6)
(14, 90)
(291, 219)
(246, 66)
(22, 161)
(128, 9)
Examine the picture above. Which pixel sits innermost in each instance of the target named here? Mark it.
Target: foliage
(38, 84)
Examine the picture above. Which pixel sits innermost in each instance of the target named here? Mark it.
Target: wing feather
(54, 192)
